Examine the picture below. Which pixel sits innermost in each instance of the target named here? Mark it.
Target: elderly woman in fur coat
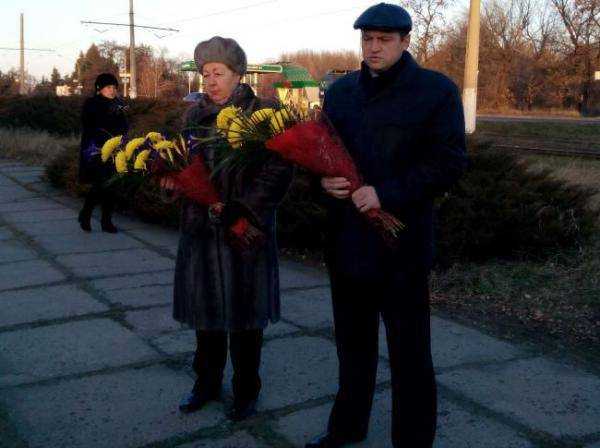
(226, 295)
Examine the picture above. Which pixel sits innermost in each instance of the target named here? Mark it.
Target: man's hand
(336, 187)
(365, 199)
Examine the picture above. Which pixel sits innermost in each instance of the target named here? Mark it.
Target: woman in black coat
(102, 118)
(220, 292)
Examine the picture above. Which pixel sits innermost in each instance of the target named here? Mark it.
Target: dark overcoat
(217, 288)
(405, 130)
(101, 119)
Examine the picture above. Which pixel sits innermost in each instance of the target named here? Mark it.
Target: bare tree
(428, 24)
(581, 22)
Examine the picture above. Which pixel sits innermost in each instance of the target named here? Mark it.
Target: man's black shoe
(194, 401)
(327, 440)
(242, 410)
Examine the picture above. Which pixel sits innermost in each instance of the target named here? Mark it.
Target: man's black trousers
(402, 300)
(211, 356)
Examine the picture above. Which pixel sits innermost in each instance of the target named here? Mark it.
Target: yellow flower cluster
(121, 162)
(109, 147)
(135, 154)
(237, 127)
(226, 116)
(132, 145)
(262, 115)
(279, 121)
(141, 159)
(155, 137)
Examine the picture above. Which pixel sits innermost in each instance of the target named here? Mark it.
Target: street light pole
(471, 68)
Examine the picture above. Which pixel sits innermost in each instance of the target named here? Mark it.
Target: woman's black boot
(85, 216)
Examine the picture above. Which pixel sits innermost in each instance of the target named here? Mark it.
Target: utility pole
(22, 50)
(133, 86)
(22, 88)
(471, 68)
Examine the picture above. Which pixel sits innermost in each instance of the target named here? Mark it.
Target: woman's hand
(338, 187)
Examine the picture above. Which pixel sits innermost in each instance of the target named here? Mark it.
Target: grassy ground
(556, 302)
(32, 147)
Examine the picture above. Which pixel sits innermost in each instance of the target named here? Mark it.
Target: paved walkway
(90, 357)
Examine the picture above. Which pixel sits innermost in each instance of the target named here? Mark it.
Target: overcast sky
(264, 28)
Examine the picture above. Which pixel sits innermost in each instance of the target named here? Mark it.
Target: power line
(127, 24)
(26, 49)
(216, 13)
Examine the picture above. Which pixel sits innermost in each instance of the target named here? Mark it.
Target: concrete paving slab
(153, 321)
(132, 281)
(309, 308)
(44, 303)
(6, 234)
(33, 204)
(157, 236)
(11, 251)
(296, 275)
(55, 227)
(144, 296)
(131, 261)
(6, 182)
(83, 242)
(76, 347)
(237, 440)
(15, 193)
(298, 369)
(125, 409)
(559, 399)
(28, 176)
(28, 273)
(15, 165)
(124, 222)
(45, 188)
(457, 428)
(185, 341)
(37, 216)
(11, 169)
(279, 329)
(69, 201)
(453, 344)
(178, 342)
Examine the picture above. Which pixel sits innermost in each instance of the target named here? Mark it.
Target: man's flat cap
(386, 17)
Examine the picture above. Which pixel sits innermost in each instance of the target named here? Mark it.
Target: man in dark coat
(102, 118)
(404, 127)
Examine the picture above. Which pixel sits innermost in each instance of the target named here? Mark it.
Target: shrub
(61, 116)
(502, 208)
(56, 115)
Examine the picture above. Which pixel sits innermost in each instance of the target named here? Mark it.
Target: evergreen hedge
(500, 208)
